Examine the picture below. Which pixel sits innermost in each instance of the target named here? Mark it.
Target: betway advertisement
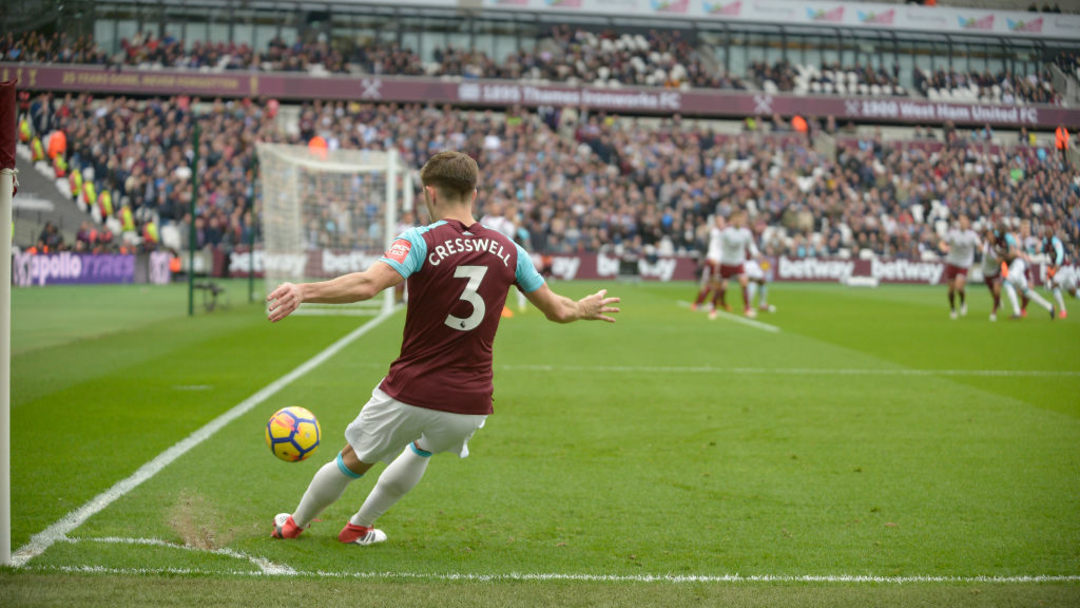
(885, 270)
(325, 263)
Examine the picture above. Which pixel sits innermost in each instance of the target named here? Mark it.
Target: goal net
(329, 213)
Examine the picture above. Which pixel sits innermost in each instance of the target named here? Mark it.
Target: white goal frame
(289, 226)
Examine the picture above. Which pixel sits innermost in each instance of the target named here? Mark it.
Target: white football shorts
(387, 426)
(1018, 274)
(753, 270)
(1065, 278)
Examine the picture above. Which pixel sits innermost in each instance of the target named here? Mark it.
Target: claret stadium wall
(497, 94)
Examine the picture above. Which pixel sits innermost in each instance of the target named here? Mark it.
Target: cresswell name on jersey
(453, 246)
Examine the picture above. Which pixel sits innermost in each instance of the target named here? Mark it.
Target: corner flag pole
(7, 191)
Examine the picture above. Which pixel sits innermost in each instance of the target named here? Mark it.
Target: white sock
(1011, 292)
(764, 295)
(753, 287)
(401, 476)
(521, 299)
(327, 486)
(1060, 299)
(1035, 297)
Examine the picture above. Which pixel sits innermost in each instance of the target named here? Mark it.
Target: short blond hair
(452, 173)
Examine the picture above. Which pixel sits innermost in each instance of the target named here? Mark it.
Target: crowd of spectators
(1069, 62)
(1003, 87)
(656, 59)
(830, 78)
(583, 181)
(565, 55)
(34, 47)
(141, 152)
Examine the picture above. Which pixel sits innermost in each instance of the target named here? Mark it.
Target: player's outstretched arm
(562, 309)
(346, 289)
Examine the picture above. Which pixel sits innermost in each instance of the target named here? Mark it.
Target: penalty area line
(750, 322)
(587, 578)
(41, 541)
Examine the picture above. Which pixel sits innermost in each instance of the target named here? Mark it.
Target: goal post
(329, 212)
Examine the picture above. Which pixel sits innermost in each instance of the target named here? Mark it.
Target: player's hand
(594, 307)
(283, 301)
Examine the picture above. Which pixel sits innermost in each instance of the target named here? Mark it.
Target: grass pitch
(871, 436)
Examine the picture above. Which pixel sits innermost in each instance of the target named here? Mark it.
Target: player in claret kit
(736, 246)
(959, 246)
(991, 270)
(438, 391)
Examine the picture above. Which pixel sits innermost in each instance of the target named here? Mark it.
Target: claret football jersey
(458, 277)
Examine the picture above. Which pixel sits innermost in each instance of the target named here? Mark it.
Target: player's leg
(444, 432)
(1056, 282)
(744, 282)
(763, 297)
(1010, 290)
(753, 287)
(396, 481)
(706, 287)
(325, 488)
(1031, 294)
(994, 285)
(719, 295)
(950, 278)
(1024, 298)
(1018, 276)
(961, 283)
(368, 437)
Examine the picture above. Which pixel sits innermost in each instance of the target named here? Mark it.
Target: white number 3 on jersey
(475, 274)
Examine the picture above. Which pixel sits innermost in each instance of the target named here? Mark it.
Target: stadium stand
(583, 181)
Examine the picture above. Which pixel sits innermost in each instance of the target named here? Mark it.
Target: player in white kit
(758, 275)
(959, 246)
(504, 220)
(736, 246)
(991, 271)
(710, 272)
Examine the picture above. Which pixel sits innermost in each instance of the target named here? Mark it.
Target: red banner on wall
(501, 93)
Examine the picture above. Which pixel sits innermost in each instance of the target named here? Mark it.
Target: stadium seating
(983, 87)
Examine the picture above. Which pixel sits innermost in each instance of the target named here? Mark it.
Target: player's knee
(353, 462)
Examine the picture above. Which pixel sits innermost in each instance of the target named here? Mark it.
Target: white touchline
(265, 566)
(752, 323)
(790, 371)
(56, 532)
(589, 578)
